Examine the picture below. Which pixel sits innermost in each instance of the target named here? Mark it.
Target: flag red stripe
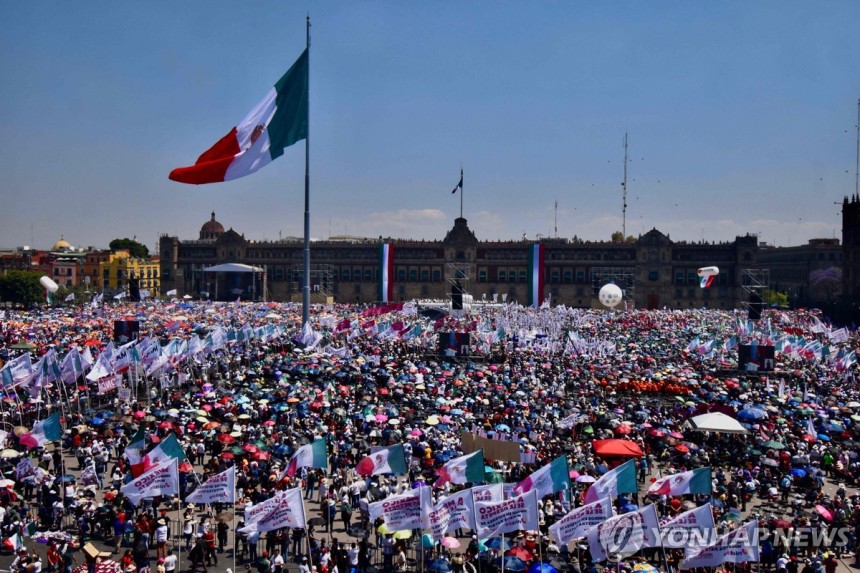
(211, 167)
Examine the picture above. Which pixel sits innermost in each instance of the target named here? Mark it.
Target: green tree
(617, 237)
(21, 287)
(773, 297)
(137, 250)
(826, 281)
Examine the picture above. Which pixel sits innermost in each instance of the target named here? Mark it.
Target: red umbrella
(623, 430)
(166, 425)
(269, 423)
(250, 448)
(520, 553)
(260, 455)
(185, 467)
(227, 456)
(682, 448)
(824, 512)
(226, 438)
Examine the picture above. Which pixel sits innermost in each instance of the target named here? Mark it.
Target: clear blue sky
(741, 117)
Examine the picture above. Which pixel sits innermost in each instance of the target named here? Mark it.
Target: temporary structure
(717, 422)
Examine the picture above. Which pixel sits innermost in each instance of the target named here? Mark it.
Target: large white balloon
(610, 295)
(49, 285)
(708, 271)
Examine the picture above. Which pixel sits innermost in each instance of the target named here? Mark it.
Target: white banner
(23, 469)
(163, 479)
(405, 511)
(109, 383)
(457, 510)
(255, 513)
(577, 522)
(218, 488)
(738, 546)
(519, 513)
(625, 534)
(694, 528)
(288, 511)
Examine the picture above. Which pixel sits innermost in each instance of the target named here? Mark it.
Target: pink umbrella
(140, 414)
(381, 417)
(824, 512)
(574, 474)
(450, 542)
(677, 435)
(415, 433)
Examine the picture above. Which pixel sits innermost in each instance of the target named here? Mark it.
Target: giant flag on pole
(163, 479)
(44, 431)
(618, 480)
(277, 122)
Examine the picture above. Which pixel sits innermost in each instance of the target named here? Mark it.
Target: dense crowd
(245, 385)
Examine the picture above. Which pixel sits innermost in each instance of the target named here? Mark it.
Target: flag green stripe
(290, 122)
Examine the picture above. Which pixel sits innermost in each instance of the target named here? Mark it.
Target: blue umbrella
(498, 543)
(542, 568)
(824, 437)
(752, 413)
(503, 428)
(438, 566)
(798, 472)
(512, 563)
(629, 507)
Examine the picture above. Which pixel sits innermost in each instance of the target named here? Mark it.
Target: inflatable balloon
(610, 295)
(49, 285)
(706, 276)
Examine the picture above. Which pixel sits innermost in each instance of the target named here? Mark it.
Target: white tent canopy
(232, 268)
(717, 422)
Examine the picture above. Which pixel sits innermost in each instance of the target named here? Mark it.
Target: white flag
(694, 528)
(577, 522)
(405, 511)
(171, 292)
(287, 511)
(519, 513)
(738, 546)
(70, 297)
(163, 479)
(218, 488)
(457, 510)
(625, 534)
(254, 513)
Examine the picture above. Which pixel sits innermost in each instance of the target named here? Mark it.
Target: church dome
(61, 245)
(211, 229)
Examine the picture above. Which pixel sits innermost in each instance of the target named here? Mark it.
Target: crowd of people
(245, 385)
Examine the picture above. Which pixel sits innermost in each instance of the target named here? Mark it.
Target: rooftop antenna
(624, 192)
(556, 218)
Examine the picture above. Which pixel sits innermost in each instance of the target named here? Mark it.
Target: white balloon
(610, 295)
(49, 285)
(708, 271)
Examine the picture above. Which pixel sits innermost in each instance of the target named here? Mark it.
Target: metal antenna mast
(624, 190)
(857, 165)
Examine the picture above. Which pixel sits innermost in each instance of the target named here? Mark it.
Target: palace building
(653, 271)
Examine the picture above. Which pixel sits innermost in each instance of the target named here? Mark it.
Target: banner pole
(306, 280)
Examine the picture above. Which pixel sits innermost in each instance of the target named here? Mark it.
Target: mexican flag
(553, 477)
(390, 460)
(468, 468)
(135, 447)
(312, 455)
(277, 122)
(13, 543)
(167, 450)
(693, 481)
(618, 480)
(43, 432)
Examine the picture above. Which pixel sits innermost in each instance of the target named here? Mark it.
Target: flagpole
(475, 530)
(306, 288)
(461, 191)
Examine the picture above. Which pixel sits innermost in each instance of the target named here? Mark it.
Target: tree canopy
(137, 250)
(21, 287)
